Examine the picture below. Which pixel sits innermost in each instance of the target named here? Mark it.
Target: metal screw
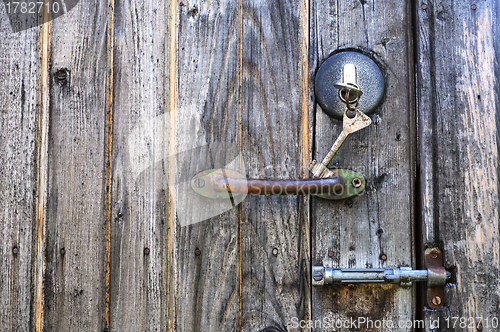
(119, 214)
(356, 183)
(275, 252)
(318, 276)
(197, 252)
(199, 182)
(330, 254)
(61, 74)
(146, 251)
(434, 254)
(424, 6)
(62, 251)
(473, 7)
(383, 257)
(436, 300)
(15, 250)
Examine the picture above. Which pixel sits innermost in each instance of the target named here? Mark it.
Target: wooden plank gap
(171, 143)
(41, 174)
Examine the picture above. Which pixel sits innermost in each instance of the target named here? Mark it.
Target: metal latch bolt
(403, 276)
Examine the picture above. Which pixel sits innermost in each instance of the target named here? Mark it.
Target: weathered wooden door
(108, 112)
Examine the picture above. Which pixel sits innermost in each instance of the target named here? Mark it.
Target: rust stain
(109, 142)
(172, 44)
(41, 175)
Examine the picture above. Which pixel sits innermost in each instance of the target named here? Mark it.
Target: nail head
(473, 7)
(146, 251)
(15, 250)
(275, 251)
(436, 300)
(424, 6)
(197, 252)
(62, 251)
(330, 254)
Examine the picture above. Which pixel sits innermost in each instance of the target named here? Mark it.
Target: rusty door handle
(223, 183)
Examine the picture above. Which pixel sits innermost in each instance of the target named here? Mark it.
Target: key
(349, 126)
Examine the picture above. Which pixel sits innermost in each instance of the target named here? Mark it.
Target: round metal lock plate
(369, 79)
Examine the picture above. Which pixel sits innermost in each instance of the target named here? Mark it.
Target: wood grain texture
(358, 231)
(241, 87)
(138, 293)
(206, 124)
(73, 286)
(274, 122)
(458, 50)
(18, 100)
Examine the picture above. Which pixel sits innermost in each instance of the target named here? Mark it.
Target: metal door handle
(222, 183)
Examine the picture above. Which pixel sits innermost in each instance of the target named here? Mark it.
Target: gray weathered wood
(138, 297)
(18, 100)
(358, 231)
(242, 81)
(204, 113)
(74, 238)
(274, 138)
(458, 106)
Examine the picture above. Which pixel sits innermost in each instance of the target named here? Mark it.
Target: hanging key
(350, 126)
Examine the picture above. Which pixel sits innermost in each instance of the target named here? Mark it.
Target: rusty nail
(434, 254)
(62, 251)
(197, 252)
(473, 7)
(356, 183)
(199, 183)
(146, 251)
(318, 276)
(15, 250)
(330, 254)
(383, 257)
(424, 6)
(61, 74)
(275, 252)
(436, 300)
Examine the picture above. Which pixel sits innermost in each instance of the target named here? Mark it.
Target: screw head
(318, 276)
(436, 300)
(197, 252)
(61, 74)
(199, 182)
(356, 182)
(434, 254)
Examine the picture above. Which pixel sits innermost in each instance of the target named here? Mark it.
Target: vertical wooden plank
(458, 102)
(206, 122)
(73, 286)
(138, 192)
(235, 96)
(274, 122)
(359, 231)
(18, 97)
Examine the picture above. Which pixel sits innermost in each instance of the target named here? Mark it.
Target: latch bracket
(436, 276)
